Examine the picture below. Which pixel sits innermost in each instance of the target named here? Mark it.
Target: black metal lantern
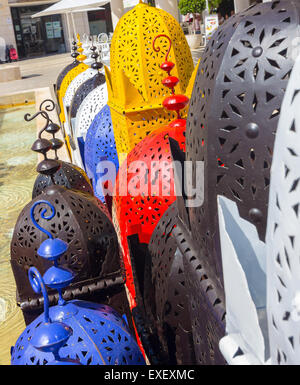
(166, 292)
(81, 222)
(234, 115)
(231, 129)
(68, 175)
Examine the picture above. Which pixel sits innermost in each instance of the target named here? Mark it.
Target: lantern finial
(43, 146)
(174, 102)
(50, 337)
(52, 249)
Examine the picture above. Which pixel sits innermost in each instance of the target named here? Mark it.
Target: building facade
(47, 35)
(50, 35)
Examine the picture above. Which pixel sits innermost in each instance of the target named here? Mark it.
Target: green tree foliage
(191, 6)
(197, 6)
(214, 4)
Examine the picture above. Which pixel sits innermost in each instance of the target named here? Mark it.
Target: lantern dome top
(135, 74)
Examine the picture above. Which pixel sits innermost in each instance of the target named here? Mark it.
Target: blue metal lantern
(74, 332)
(101, 157)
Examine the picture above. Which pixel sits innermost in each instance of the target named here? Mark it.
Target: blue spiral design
(43, 216)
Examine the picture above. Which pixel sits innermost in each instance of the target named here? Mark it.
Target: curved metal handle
(38, 285)
(44, 114)
(158, 49)
(50, 107)
(43, 216)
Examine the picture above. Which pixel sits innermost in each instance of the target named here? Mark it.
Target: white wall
(117, 11)
(171, 6)
(241, 5)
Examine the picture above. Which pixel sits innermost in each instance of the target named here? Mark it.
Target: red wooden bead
(167, 66)
(170, 82)
(176, 102)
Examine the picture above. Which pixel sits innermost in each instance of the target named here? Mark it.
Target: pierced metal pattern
(80, 221)
(149, 196)
(68, 176)
(232, 119)
(283, 232)
(100, 147)
(89, 108)
(234, 114)
(100, 337)
(138, 209)
(206, 301)
(65, 84)
(135, 78)
(82, 92)
(145, 23)
(76, 83)
(167, 280)
(64, 72)
(124, 247)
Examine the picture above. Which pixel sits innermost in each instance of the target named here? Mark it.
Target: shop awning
(70, 6)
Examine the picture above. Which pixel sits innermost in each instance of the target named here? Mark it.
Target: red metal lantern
(145, 187)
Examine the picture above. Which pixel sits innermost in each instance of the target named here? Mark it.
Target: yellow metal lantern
(134, 80)
(70, 76)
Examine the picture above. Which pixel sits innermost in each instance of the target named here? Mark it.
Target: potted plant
(196, 7)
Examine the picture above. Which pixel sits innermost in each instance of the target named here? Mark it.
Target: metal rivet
(252, 130)
(255, 215)
(257, 51)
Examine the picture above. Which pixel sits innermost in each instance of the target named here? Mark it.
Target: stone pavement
(36, 73)
(43, 72)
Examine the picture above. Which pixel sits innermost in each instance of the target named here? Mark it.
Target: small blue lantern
(74, 332)
(101, 157)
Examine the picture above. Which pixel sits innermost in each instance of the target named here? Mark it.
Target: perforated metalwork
(149, 189)
(64, 72)
(65, 84)
(234, 114)
(148, 196)
(232, 120)
(135, 89)
(76, 83)
(81, 221)
(68, 176)
(100, 148)
(100, 336)
(89, 108)
(81, 93)
(283, 232)
(167, 282)
(205, 299)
